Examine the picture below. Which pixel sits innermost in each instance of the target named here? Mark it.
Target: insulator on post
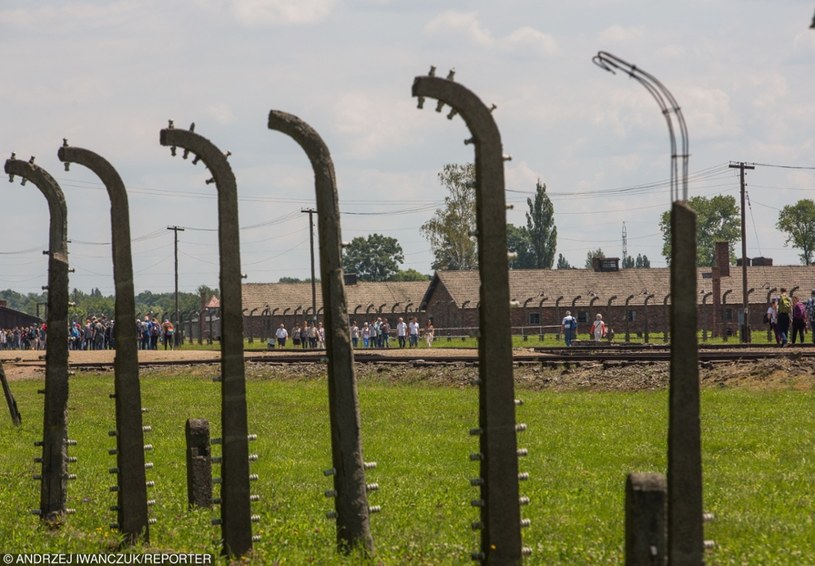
(216, 500)
(70, 476)
(329, 472)
(186, 154)
(369, 465)
(113, 470)
(40, 391)
(113, 488)
(518, 402)
(255, 518)
(431, 73)
(148, 465)
(439, 105)
(112, 451)
(36, 511)
(478, 556)
(254, 498)
(196, 159)
(330, 493)
(469, 141)
(38, 460)
(115, 508)
(254, 477)
(420, 105)
(452, 114)
(216, 480)
(152, 521)
(520, 427)
(510, 206)
(70, 459)
(192, 127)
(70, 442)
(331, 515)
(477, 503)
(477, 525)
(523, 476)
(151, 502)
(37, 477)
(38, 443)
(215, 521)
(476, 457)
(111, 396)
(150, 483)
(710, 544)
(251, 437)
(145, 410)
(172, 150)
(113, 433)
(511, 256)
(493, 107)
(523, 500)
(170, 125)
(476, 432)
(475, 482)
(256, 538)
(707, 517)
(506, 157)
(114, 526)
(375, 509)
(526, 551)
(215, 441)
(148, 447)
(526, 523)
(522, 452)
(147, 428)
(372, 487)
(209, 182)
(23, 182)
(216, 460)
(253, 457)
(451, 75)
(70, 511)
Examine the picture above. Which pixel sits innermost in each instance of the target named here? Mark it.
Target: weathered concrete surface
(646, 519)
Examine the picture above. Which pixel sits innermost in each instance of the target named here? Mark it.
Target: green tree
(593, 254)
(562, 263)
(798, 222)
(540, 226)
(642, 262)
(450, 230)
(410, 275)
(375, 258)
(717, 219)
(518, 243)
(628, 262)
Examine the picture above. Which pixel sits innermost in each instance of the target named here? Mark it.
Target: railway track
(587, 352)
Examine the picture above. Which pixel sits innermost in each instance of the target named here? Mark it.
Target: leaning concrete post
(131, 494)
(199, 463)
(236, 519)
(645, 520)
(685, 530)
(54, 478)
(16, 419)
(499, 503)
(351, 500)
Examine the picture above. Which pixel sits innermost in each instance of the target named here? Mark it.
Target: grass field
(758, 469)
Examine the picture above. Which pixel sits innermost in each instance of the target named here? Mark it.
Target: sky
(109, 75)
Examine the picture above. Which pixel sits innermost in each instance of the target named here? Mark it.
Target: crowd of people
(790, 317)
(23, 337)
(378, 333)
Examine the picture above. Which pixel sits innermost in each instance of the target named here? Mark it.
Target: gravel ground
(786, 371)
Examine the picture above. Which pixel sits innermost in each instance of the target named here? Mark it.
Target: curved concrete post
(645, 305)
(236, 524)
(705, 297)
(500, 511)
(627, 321)
(666, 336)
(351, 501)
(131, 480)
(54, 476)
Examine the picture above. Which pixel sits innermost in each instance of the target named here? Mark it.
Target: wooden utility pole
(176, 230)
(745, 326)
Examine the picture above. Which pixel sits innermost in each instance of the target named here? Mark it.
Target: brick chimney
(721, 258)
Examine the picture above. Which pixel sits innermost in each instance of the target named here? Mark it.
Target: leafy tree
(798, 221)
(375, 258)
(536, 242)
(449, 231)
(540, 226)
(409, 275)
(628, 262)
(562, 263)
(518, 242)
(717, 219)
(292, 280)
(642, 262)
(593, 254)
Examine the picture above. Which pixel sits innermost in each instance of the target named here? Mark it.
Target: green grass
(758, 465)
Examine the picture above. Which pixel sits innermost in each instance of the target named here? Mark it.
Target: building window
(583, 316)
(534, 318)
(631, 315)
(728, 315)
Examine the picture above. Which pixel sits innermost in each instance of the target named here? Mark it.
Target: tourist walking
(569, 328)
(784, 311)
(598, 328)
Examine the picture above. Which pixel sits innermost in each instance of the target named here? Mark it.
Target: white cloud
(454, 24)
(221, 113)
(264, 12)
(373, 122)
(531, 42)
(619, 34)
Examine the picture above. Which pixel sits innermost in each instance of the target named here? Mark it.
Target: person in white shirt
(401, 332)
(281, 334)
(413, 332)
(598, 329)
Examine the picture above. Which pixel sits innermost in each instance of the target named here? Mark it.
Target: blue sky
(108, 75)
